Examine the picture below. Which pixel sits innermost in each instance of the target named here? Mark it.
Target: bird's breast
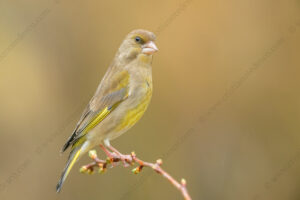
(137, 104)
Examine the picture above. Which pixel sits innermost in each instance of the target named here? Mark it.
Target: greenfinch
(120, 100)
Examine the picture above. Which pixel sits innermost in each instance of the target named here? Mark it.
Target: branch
(131, 159)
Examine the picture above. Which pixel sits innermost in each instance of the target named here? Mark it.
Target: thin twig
(131, 160)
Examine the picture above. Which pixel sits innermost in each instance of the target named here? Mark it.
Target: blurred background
(224, 114)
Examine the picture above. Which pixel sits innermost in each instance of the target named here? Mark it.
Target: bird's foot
(126, 159)
(110, 155)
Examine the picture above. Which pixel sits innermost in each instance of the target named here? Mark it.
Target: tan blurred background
(224, 115)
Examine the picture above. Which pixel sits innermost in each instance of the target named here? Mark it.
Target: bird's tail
(74, 155)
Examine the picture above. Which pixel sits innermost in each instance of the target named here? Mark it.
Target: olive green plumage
(119, 101)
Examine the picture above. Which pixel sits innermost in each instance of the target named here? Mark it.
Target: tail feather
(74, 155)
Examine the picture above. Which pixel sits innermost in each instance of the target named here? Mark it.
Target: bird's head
(138, 43)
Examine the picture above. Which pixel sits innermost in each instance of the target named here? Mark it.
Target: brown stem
(131, 160)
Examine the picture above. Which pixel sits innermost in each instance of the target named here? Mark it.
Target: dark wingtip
(64, 148)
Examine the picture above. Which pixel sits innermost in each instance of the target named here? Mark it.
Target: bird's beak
(149, 48)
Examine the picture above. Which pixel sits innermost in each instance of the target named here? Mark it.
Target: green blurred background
(224, 114)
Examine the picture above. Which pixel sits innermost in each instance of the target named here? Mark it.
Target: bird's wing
(110, 93)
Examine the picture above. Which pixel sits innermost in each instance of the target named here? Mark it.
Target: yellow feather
(135, 114)
(97, 119)
(73, 162)
(94, 122)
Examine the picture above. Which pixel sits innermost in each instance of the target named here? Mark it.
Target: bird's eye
(138, 39)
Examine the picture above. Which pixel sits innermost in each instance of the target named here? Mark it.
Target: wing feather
(105, 100)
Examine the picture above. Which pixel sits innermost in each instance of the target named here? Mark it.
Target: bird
(120, 100)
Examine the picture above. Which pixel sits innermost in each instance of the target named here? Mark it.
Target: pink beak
(149, 48)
